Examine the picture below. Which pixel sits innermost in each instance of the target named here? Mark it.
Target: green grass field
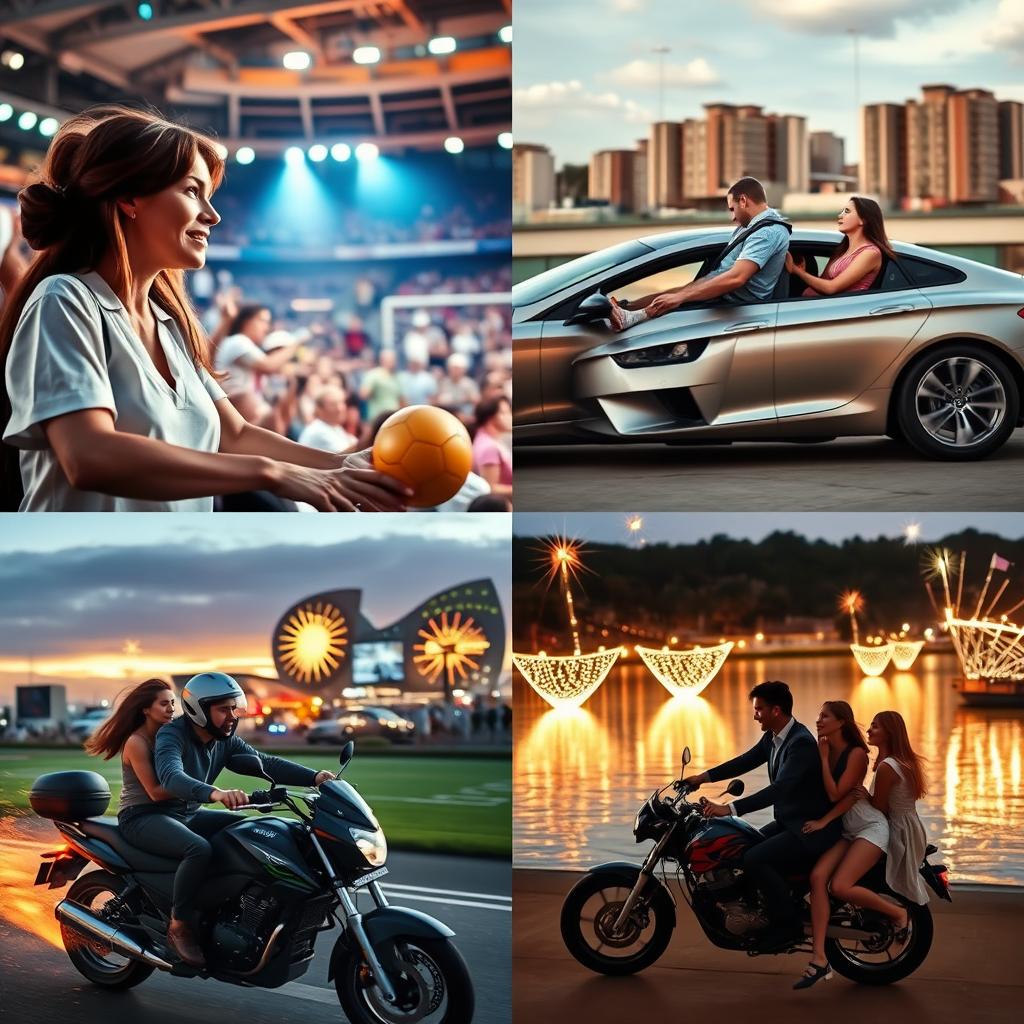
(453, 804)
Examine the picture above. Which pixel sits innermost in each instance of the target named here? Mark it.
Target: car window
(557, 278)
(926, 274)
(661, 281)
(892, 276)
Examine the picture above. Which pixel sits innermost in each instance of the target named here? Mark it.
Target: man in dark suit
(796, 792)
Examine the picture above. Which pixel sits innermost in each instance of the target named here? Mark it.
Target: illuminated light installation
(905, 652)
(685, 672)
(851, 601)
(566, 682)
(873, 661)
(450, 647)
(312, 642)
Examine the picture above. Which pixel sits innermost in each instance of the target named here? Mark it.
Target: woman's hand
(374, 491)
(792, 265)
(812, 826)
(823, 747)
(352, 488)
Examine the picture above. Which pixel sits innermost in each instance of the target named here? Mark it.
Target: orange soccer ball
(428, 449)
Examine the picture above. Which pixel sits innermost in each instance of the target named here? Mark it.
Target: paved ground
(39, 984)
(845, 475)
(972, 973)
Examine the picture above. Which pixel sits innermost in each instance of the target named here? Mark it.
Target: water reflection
(581, 775)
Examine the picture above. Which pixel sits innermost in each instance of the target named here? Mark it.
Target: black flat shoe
(818, 973)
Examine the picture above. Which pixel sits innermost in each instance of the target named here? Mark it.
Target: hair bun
(45, 213)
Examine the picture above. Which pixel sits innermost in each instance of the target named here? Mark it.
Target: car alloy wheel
(960, 401)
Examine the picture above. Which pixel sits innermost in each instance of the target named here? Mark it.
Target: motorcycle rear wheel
(645, 938)
(99, 963)
(852, 961)
(434, 985)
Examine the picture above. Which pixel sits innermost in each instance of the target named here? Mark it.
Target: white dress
(907, 840)
(865, 821)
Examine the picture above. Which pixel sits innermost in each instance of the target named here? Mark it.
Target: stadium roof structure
(219, 65)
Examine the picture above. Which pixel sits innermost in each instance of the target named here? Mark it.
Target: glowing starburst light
(904, 653)
(851, 601)
(569, 681)
(449, 647)
(685, 672)
(911, 534)
(312, 642)
(563, 561)
(873, 661)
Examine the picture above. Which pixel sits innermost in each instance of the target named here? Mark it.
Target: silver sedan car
(932, 353)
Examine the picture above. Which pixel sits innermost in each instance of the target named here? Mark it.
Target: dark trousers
(767, 862)
(185, 837)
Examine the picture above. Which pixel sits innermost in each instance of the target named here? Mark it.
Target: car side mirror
(590, 310)
(346, 755)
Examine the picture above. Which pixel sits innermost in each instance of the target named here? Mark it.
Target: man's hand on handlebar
(692, 782)
(323, 776)
(230, 798)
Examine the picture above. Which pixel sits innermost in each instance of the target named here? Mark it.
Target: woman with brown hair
(857, 260)
(109, 391)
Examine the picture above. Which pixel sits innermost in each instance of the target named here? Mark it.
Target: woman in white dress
(108, 394)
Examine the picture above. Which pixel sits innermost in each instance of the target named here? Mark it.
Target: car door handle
(891, 309)
(746, 325)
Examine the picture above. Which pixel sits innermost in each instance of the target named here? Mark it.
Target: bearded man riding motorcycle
(797, 794)
(189, 754)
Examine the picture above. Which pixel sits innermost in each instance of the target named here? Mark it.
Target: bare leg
(859, 858)
(821, 873)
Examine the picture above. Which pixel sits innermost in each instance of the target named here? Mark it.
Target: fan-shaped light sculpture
(905, 652)
(566, 681)
(988, 649)
(685, 672)
(873, 661)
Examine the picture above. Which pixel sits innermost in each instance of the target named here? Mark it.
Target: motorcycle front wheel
(588, 925)
(93, 959)
(883, 962)
(432, 985)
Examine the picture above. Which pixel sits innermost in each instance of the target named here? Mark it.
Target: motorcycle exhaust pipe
(86, 923)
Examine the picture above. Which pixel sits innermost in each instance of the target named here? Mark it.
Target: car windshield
(383, 713)
(553, 280)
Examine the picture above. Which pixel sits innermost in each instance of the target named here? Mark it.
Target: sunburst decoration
(566, 681)
(873, 661)
(562, 558)
(852, 601)
(312, 643)
(905, 652)
(685, 672)
(449, 647)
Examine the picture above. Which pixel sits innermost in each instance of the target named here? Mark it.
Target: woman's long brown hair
(109, 739)
(71, 218)
(901, 750)
(874, 228)
(850, 729)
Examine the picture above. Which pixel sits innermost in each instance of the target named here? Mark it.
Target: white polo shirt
(235, 356)
(62, 361)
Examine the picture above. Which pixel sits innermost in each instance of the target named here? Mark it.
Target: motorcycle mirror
(347, 753)
(686, 756)
(735, 788)
(248, 764)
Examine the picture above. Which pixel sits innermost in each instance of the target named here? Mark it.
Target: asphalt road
(39, 984)
(850, 474)
(972, 972)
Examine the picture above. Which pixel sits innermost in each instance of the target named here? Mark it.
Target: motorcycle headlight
(372, 845)
(661, 355)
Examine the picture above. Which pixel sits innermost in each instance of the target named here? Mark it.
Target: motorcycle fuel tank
(719, 841)
(264, 845)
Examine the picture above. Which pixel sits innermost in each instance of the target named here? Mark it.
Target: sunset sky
(193, 594)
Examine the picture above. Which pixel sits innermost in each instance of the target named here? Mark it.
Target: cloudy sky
(199, 591)
(586, 78)
(689, 527)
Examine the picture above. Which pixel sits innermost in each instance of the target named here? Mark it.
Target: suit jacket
(796, 789)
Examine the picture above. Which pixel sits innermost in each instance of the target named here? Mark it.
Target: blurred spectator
(458, 391)
(380, 390)
(326, 430)
(416, 383)
(490, 503)
(491, 458)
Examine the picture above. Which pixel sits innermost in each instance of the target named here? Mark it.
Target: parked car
(363, 721)
(80, 729)
(932, 353)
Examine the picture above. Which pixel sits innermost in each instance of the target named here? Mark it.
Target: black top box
(70, 796)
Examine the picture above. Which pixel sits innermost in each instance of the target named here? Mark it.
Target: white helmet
(205, 689)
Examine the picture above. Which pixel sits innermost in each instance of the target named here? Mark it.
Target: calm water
(581, 775)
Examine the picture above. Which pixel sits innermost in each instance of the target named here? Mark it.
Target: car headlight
(661, 355)
(372, 845)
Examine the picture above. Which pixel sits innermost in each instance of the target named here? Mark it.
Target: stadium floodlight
(453, 144)
(317, 153)
(245, 154)
(505, 35)
(293, 155)
(27, 121)
(145, 11)
(505, 140)
(441, 45)
(48, 126)
(367, 151)
(6, 111)
(12, 59)
(341, 151)
(366, 55)
(297, 60)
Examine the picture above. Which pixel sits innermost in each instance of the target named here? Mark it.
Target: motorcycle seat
(106, 830)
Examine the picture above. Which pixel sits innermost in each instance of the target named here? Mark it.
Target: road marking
(299, 990)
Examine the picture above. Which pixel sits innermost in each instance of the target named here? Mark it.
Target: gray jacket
(187, 767)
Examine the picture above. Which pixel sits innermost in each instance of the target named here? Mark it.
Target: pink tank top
(836, 267)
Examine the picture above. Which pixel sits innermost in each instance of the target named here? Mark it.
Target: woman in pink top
(857, 259)
(492, 457)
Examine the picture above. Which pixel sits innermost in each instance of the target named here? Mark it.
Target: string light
(685, 672)
(566, 682)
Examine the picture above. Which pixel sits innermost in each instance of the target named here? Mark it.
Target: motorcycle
(274, 884)
(618, 919)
